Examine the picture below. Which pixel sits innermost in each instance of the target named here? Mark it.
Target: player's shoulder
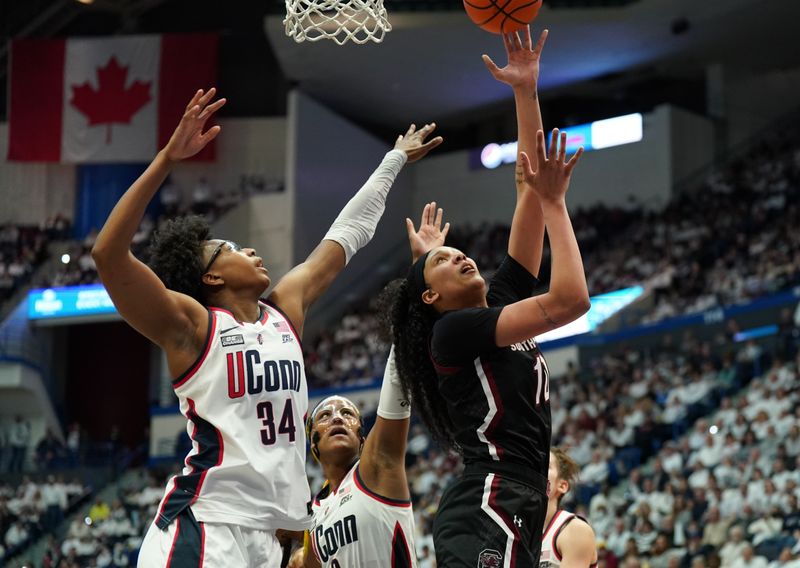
(577, 529)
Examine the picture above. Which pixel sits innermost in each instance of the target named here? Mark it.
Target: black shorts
(490, 519)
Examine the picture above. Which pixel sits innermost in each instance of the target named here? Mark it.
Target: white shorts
(187, 543)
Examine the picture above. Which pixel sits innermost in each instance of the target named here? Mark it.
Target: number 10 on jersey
(542, 381)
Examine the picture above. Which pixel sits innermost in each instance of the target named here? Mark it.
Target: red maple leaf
(111, 102)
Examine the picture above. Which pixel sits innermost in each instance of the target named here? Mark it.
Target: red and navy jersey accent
(498, 398)
(189, 544)
(187, 487)
(401, 555)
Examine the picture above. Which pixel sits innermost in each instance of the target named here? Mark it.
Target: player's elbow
(582, 305)
(572, 306)
(103, 256)
(99, 254)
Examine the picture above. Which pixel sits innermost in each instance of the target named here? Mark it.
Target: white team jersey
(354, 526)
(245, 400)
(550, 556)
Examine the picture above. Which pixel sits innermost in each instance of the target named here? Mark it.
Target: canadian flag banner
(92, 100)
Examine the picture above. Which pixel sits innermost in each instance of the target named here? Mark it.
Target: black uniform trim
(572, 517)
(385, 500)
(188, 546)
(187, 487)
(401, 556)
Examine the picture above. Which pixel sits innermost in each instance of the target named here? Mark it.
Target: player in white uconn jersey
(237, 360)
(568, 540)
(362, 515)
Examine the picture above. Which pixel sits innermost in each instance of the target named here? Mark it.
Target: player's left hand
(522, 70)
(430, 234)
(413, 142)
(189, 138)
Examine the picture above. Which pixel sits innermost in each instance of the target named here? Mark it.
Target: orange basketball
(502, 16)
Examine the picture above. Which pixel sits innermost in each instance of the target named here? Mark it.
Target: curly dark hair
(411, 324)
(176, 255)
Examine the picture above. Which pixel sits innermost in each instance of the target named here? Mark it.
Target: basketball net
(358, 21)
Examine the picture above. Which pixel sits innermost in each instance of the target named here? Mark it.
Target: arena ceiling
(603, 56)
(429, 65)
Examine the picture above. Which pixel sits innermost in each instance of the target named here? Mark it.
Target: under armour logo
(517, 521)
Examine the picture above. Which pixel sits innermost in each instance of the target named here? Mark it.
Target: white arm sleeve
(393, 404)
(356, 223)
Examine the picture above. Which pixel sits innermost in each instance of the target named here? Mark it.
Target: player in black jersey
(468, 358)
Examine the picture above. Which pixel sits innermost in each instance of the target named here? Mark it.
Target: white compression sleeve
(356, 223)
(393, 404)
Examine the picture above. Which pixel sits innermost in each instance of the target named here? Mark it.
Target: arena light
(595, 135)
(603, 307)
(755, 333)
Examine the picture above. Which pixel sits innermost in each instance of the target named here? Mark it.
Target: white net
(358, 21)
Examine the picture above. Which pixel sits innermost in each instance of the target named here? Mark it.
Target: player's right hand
(430, 234)
(551, 180)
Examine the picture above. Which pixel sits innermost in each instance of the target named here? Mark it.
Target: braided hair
(176, 255)
(411, 324)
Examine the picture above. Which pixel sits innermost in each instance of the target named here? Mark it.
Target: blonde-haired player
(568, 540)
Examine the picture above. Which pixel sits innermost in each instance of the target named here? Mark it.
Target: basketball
(502, 17)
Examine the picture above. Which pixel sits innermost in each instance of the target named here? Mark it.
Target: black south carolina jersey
(498, 398)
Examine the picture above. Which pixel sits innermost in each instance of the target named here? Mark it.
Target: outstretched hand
(189, 138)
(413, 142)
(551, 179)
(522, 70)
(430, 234)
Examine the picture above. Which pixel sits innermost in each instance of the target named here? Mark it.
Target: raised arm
(352, 229)
(383, 457)
(172, 320)
(526, 242)
(568, 297)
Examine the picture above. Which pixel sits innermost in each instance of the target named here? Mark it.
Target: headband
(416, 276)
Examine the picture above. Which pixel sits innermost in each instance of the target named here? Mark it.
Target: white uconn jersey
(245, 400)
(550, 556)
(354, 527)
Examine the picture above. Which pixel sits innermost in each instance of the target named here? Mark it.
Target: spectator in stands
(54, 498)
(596, 472)
(49, 451)
(715, 530)
(202, 198)
(748, 559)
(785, 560)
(18, 440)
(74, 445)
(170, 197)
(733, 549)
(660, 553)
(99, 511)
(15, 535)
